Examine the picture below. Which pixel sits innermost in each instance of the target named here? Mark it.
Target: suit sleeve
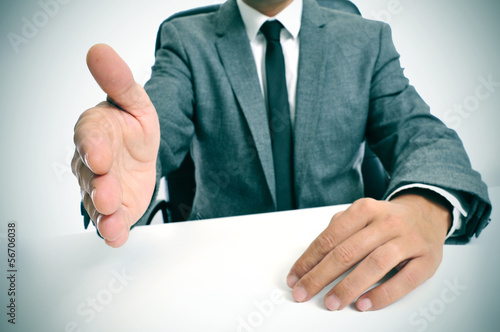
(415, 146)
(171, 91)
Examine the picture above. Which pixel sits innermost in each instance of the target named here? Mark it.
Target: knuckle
(386, 294)
(309, 262)
(106, 104)
(411, 280)
(86, 179)
(346, 288)
(379, 263)
(75, 163)
(366, 205)
(93, 125)
(81, 181)
(78, 174)
(393, 249)
(81, 122)
(89, 207)
(344, 254)
(303, 265)
(335, 217)
(312, 282)
(325, 242)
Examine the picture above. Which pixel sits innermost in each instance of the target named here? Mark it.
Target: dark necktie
(279, 116)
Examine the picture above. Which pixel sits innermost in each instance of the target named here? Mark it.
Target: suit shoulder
(352, 26)
(191, 20)
(350, 19)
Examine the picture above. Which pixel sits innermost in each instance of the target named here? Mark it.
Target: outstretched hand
(117, 145)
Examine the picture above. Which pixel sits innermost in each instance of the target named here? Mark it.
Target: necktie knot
(272, 30)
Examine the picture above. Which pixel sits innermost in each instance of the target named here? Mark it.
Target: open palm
(116, 148)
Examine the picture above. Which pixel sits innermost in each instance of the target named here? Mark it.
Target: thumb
(115, 78)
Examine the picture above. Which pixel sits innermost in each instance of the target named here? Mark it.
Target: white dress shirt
(291, 18)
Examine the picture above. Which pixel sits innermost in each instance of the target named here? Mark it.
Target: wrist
(429, 204)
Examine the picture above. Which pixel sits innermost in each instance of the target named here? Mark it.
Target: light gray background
(448, 47)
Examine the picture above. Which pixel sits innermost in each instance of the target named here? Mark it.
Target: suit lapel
(311, 71)
(237, 59)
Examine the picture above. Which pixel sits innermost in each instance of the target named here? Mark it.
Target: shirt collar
(290, 17)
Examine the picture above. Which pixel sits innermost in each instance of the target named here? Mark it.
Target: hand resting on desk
(407, 232)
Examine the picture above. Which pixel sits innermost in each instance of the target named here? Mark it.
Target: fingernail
(86, 161)
(92, 194)
(364, 304)
(98, 220)
(299, 294)
(291, 280)
(332, 302)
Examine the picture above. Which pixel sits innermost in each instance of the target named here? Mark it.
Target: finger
(84, 176)
(414, 273)
(342, 225)
(115, 228)
(120, 241)
(93, 140)
(90, 208)
(339, 260)
(115, 78)
(76, 167)
(371, 270)
(314, 253)
(106, 193)
(76, 163)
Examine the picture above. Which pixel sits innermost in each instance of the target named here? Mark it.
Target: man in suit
(208, 95)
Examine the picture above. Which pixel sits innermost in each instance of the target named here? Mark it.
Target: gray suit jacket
(350, 87)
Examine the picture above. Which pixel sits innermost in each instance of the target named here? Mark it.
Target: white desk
(229, 275)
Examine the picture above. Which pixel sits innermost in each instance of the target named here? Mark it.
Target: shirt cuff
(458, 213)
